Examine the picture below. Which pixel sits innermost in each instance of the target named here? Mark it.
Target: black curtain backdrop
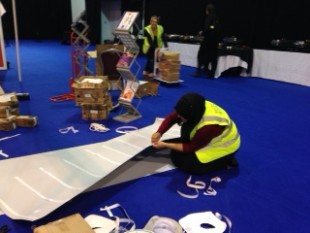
(93, 11)
(256, 22)
(177, 17)
(37, 19)
(137, 6)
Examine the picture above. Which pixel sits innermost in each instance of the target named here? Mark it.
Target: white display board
(3, 63)
(127, 21)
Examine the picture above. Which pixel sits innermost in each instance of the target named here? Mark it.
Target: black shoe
(210, 75)
(196, 74)
(232, 162)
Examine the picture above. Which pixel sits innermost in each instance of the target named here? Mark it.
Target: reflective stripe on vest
(224, 144)
(146, 44)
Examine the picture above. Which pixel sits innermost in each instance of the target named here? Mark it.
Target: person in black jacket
(208, 50)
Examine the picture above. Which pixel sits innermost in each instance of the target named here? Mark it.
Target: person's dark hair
(191, 106)
(211, 9)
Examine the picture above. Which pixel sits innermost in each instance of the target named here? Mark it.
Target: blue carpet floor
(269, 192)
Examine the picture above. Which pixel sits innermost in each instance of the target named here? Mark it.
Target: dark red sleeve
(202, 137)
(169, 121)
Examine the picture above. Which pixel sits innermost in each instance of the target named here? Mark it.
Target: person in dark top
(153, 39)
(208, 50)
(209, 138)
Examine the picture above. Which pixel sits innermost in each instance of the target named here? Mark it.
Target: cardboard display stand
(128, 68)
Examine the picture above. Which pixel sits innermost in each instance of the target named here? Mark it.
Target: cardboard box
(173, 55)
(91, 89)
(9, 99)
(169, 75)
(94, 111)
(7, 124)
(15, 111)
(72, 224)
(26, 121)
(169, 64)
(92, 82)
(5, 111)
(91, 96)
(147, 88)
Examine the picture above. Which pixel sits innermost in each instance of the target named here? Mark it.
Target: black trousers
(189, 162)
(150, 61)
(207, 55)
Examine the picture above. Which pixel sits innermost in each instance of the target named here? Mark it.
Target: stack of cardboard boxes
(169, 66)
(91, 94)
(10, 117)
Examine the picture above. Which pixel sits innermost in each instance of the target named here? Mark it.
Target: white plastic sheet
(35, 185)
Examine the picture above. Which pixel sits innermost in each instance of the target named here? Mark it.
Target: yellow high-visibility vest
(146, 44)
(224, 144)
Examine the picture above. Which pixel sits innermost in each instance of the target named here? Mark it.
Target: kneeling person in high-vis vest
(209, 138)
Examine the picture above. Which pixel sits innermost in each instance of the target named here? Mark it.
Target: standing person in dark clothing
(208, 50)
(153, 39)
(209, 138)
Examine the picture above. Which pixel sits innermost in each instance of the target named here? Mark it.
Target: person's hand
(159, 144)
(155, 137)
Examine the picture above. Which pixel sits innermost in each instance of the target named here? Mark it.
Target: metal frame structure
(79, 57)
(128, 111)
